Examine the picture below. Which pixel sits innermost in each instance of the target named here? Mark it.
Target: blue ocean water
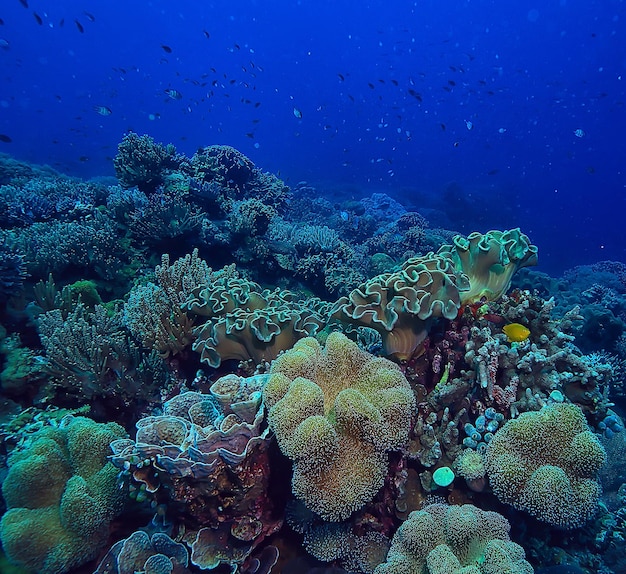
(496, 114)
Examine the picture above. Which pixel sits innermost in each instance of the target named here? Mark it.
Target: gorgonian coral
(336, 411)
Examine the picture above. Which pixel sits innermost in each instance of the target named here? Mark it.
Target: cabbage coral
(490, 261)
(401, 305)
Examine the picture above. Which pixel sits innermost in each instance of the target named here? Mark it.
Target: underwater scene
(326, 287)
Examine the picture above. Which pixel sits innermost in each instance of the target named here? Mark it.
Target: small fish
(341, 77)
(515, 332)
(5, 138)
(24, 3)
(79, 26)
(90, 17)
(166, 49)
(416, 95)
(206, 34)
(1, 22)
(4, 44)
(174, 94)
(297, 113)
(469, 125)
(102, 110)
(38, 18)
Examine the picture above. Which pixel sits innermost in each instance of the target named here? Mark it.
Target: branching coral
(336, 411)
(401, 305)
(444, 539)
(90, 354)
(141, 162)
(154, 312)
(546, 463)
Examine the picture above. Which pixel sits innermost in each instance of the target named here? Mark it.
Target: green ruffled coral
(61, 494)
(245, 322)
(336, 411)
(490, 261)
(401, 305)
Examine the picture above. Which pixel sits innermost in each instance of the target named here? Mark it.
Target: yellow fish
(515, 332)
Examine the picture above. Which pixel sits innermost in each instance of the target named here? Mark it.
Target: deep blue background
(535, 71)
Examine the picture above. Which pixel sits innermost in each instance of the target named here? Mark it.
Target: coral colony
(205, 370)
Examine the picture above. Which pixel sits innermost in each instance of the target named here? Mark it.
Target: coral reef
(335, 412)
(61, 495)
(442, 539)
(546, 463)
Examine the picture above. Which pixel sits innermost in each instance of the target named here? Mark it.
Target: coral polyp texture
(490, 261)
(546, 463)
(401, 305)
(61, 494)
(336, 411)
(442, 539)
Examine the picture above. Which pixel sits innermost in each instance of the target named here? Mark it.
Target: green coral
(336, 411)
(61, 494)
(490, 261)
(442, 539)
(546, 463)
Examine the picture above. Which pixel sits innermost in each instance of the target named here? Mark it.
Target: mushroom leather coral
(401, 305)
(336, 411)
(490, 261)
(546, 463)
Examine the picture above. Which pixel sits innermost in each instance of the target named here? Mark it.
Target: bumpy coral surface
(490, 260)
(206, 459)
(62, 494)
(336, 411)
(546, 463)
(401, 305)
(444, 539)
